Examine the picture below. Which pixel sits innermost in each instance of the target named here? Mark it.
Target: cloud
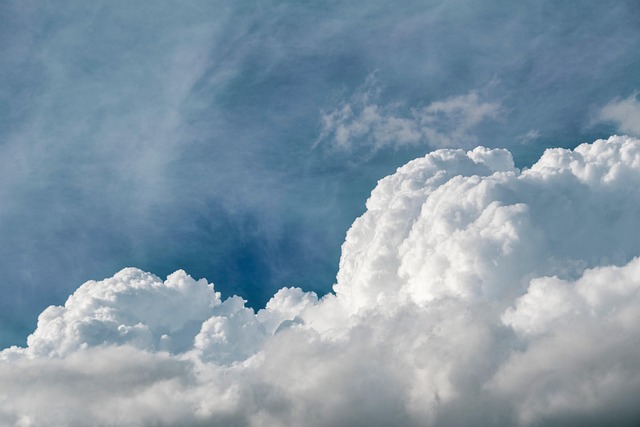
(469, 292)
(132, 307)
(580, 337)
(624, 113)
(363, 122)
(529, 136)
(126, 126)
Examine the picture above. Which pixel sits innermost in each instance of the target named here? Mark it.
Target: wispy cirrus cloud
(366, 123)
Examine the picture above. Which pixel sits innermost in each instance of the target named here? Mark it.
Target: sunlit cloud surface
(470, 292)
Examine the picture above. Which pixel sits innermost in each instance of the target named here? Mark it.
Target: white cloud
(529, 136)
(468, 293)
(133, 308)
(624, 113)
(363, 122)
(581, 338)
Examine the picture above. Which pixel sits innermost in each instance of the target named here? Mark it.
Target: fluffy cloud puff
(469, 293)
(624, 113)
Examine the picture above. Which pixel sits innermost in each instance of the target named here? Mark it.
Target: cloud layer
(470, 292)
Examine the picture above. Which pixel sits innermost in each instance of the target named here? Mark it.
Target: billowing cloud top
(469, 293)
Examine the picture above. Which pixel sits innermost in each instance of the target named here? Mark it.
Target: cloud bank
(469, 293)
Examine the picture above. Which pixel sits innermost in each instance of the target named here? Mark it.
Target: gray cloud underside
(469, 293)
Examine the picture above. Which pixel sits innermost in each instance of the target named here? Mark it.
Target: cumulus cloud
(362, 121)
(624, 113)
(581, 337)
(470, 292)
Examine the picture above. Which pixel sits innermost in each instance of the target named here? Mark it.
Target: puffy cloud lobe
(132, 307)
(406, 212)
(469, 293)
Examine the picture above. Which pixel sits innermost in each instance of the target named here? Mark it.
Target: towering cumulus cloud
(469, 293)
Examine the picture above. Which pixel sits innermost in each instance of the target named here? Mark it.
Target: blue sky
(239, 140)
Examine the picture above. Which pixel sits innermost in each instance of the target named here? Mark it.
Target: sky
(244, 145)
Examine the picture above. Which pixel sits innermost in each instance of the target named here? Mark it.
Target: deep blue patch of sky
(167, 135)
